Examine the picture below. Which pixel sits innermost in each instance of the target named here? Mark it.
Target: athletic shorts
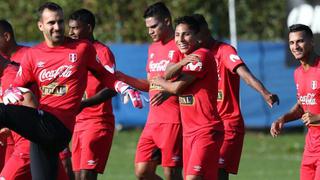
(160, 142)
(90, 149)
(310, 168)
(201, 154)
(9, 148)
(230, 152)
(16, 168)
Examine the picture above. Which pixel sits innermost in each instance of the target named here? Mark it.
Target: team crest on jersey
(220, 95)
(151, 56)
(73, 57)
(234, 57)
(314, 85)
(170, 54)
(40, 64)
(187, 100)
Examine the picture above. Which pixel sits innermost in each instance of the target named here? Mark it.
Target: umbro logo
(40, 64)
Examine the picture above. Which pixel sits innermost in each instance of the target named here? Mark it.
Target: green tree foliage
(122, 21)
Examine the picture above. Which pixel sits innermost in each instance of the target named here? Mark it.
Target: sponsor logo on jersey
(197, 168)
(195, 66)
(187, 100)
(73, 57)
(62, 71)
(155, 87)
(308, 99)
(158, 66)
(234, 57)
(170, 54)
(54, 89)
(40, 64)
(314, 85)
(220, 95)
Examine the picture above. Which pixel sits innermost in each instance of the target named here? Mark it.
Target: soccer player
(162, 134)
(93, 132)
(230, 69)
(307, 108)
(197, 88)
(59, 66)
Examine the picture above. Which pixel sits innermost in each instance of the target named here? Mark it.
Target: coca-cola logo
(62, 71)
(160, 66)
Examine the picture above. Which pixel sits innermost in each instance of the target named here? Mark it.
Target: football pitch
(263, 157)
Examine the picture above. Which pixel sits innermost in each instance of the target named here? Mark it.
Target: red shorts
(10, 147)
(201, 154)
(310, 168)
(16, 168)
(230, 152)
(90, 149)
(164, 137)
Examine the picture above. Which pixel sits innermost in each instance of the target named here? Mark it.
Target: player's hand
(271, 99)
(309, 118)
(129, 93)
(14, 95)
(159, 98)
(4, 133)
(276, 127)
(192, 58)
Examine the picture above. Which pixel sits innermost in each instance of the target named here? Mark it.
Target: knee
(172, 173)
(142, 172)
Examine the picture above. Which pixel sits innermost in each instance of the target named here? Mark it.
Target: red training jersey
(308, 93)
(159, 56)
(98, 116)
(61, 75)
(198, 102)
(228, 105)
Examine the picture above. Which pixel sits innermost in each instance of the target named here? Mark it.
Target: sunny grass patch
(263, 158)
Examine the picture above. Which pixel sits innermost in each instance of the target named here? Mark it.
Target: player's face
(52, 26)
(78, 30)
(185, 39)
(156, 28)
(300, 45)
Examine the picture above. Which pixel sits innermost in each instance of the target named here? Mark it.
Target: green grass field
(263, 157)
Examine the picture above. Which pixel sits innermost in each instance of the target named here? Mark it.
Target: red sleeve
(8, 76)
(97, 69)
(25, 75)
(107, 59)
(199, 69)
(230, 58)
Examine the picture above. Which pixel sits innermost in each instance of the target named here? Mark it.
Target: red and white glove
(129, 93)
(13, 95)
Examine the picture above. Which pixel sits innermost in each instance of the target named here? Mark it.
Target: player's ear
(90, 28)
(167, 21)
(40, 25)
(7, 36)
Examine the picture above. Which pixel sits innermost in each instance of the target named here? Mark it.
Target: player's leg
(65, 157)
(308, 168)
(95, 149)
(317, 174)
(230, 154)
(169, 140)
(76, 154)
(147, 155)
(203, 162)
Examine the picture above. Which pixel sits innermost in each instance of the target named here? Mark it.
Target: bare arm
(140, 84)
(295, 113)
(175, 87)
(174, 69)
(252, 81)
(98, 98)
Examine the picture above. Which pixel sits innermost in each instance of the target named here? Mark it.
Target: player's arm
(98, 98)
(177, 86)
(295, 113)
(174, 69)
(243, 71)
(309, 118)
(140, 84)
